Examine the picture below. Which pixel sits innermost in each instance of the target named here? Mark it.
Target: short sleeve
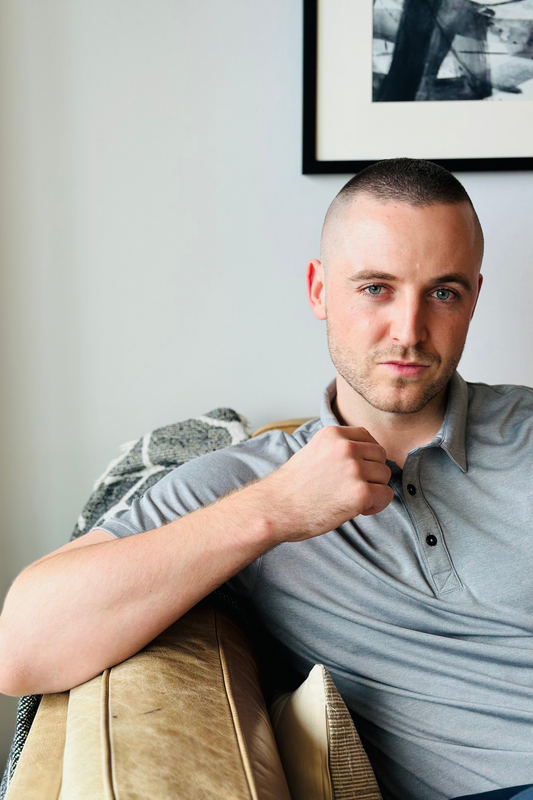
(200, 482)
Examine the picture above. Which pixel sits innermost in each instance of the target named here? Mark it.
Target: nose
(408, 325)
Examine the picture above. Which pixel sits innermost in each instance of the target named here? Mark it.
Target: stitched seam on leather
(247, 767)
(107, 771)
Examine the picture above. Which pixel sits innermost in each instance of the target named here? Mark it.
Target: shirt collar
(327, 417)
(451, 435)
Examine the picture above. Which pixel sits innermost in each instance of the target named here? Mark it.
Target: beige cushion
(320, 749)
(184, 718)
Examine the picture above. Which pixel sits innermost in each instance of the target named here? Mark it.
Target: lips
(406, 368)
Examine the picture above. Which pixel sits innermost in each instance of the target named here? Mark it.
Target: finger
(369, 451)
(356, 434)
(381, 496)
(374, 472)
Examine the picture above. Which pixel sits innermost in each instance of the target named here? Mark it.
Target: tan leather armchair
(184, 719)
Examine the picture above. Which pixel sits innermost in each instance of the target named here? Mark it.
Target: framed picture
(450, 81)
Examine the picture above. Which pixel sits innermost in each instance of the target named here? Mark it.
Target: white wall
(154, 231)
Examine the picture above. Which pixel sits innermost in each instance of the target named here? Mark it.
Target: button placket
(428, 529)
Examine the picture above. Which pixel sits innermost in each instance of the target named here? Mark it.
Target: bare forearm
(77, 613)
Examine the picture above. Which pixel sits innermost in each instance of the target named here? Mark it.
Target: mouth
(404, 368)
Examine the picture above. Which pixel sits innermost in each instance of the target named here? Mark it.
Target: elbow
(14, 678)
(11, 689)
(11, 684)
(21, 675)
(15, 681)
(22, 665)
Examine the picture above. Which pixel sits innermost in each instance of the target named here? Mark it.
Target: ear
(479, 285)
(316, 288)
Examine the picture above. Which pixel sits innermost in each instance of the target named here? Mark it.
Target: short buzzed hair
(405, 180)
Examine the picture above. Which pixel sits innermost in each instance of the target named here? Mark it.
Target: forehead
(403, 235)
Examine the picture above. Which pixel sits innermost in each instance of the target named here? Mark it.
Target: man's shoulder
(509, 392)
(276, 443)
(253, 458)
(499, 403)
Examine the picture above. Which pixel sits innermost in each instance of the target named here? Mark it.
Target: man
(386, 539)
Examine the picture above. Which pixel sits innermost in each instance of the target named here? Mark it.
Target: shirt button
(431, 540)
(411, 489)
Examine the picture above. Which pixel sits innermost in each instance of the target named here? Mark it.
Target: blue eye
(443, 294)
(374, 289)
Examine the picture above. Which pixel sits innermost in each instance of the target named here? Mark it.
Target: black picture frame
(311, 165)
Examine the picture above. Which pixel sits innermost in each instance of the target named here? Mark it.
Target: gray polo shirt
(423, 614)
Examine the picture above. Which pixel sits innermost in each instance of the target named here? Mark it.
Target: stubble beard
(359, 377)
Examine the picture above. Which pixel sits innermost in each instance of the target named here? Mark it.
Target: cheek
(349, 315)
(450, 333)
(370, 320)
(357, 327)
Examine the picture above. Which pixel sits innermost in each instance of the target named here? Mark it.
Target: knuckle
(380, 452)
(346, 449)
(330, 435)
(365, 495)
(368, 496)
(356, 469)
(319, 435)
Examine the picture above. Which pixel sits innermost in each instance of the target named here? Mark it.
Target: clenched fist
(338, 475)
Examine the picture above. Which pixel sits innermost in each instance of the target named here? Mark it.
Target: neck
(397, 433)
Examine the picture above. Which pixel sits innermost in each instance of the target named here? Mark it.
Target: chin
(401, 398)
(399, 405)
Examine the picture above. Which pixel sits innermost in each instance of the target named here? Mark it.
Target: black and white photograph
(452, 50)
(451, 80)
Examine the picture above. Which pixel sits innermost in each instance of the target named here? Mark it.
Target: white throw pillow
(320, 749)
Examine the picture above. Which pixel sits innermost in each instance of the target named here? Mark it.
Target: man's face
(398, 288)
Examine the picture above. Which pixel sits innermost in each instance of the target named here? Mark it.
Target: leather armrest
(184, 717)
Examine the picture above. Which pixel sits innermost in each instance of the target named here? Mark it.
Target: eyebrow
(450, 277)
